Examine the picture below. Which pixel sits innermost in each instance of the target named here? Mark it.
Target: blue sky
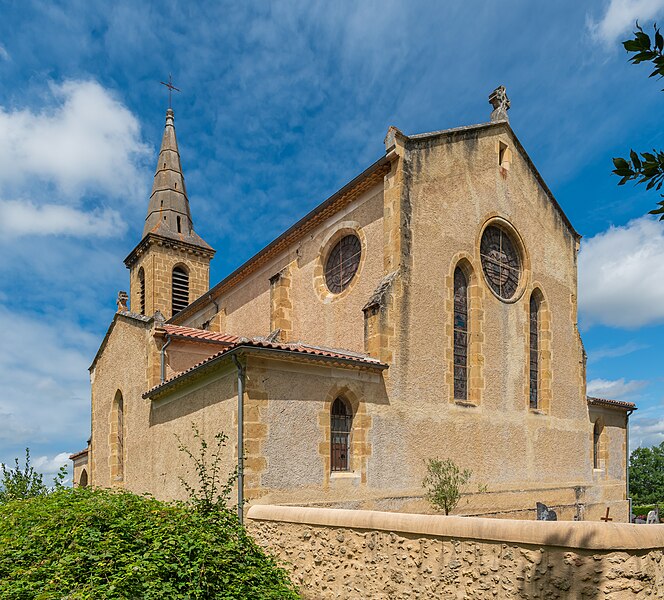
(281, 104)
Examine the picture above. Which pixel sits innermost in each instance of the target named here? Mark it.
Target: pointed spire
(168, 210)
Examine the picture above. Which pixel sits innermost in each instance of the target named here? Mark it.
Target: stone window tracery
(501, 262)
(342, 263)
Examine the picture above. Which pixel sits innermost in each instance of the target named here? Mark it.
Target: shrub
(444, 483)
(87, 544)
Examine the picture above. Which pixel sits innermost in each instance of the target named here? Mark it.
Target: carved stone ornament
(501, 104)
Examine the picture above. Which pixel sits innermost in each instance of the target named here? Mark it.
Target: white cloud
(4, 55)
(45, 385)
(621, 275)
(621, 16)
(644, 433)
(19, 218)
(86, 141)
(614, 389)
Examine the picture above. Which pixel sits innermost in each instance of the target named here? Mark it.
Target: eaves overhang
(250, 348)
(169, 242)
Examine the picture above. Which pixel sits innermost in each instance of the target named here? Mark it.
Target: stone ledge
(589, 535)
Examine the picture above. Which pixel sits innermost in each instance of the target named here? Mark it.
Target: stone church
(426, 309)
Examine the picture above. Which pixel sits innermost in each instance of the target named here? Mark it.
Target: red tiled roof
(78, 454)
(201, 335)
(305, 350)
(612, 403)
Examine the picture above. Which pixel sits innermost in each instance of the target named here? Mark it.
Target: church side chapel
(426, 309)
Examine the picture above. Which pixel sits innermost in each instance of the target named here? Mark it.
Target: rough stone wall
(121, 367)
(337, 562)
(158, 263)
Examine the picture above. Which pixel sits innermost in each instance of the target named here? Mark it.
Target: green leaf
(620, 163)
(659, 40)
(635, 159)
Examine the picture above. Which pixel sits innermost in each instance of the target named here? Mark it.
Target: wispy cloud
(4, 55)
(614, 389)
(620, 17)
(621, 275)
(24, 218)
(615, 351)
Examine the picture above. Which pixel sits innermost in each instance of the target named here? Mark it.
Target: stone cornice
(153, 238)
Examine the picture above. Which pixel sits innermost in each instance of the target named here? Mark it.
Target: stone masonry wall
(336, 561)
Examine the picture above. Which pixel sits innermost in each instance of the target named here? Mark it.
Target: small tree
(18, 484)
(214, 487)
(444, 483)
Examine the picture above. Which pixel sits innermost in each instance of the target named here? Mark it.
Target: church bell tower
(170, 267)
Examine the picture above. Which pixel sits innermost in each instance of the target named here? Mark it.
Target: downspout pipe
(629, 500)
(163, 358)
(241, 373)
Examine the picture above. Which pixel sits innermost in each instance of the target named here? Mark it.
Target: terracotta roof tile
(78, 454)
(306, 350)
(200, 334)
(612, 403)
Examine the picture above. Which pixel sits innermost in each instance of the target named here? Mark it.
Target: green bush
(84, 544)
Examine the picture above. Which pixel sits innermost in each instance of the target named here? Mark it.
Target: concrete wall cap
(586, 535)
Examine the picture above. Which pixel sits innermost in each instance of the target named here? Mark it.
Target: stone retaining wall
(367, 554)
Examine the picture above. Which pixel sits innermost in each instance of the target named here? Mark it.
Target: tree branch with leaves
(645, 167)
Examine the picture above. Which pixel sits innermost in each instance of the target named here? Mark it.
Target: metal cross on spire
(170, 87)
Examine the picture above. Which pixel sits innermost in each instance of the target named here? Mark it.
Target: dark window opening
(342, 263)
(180, 290)
(341, 420)
(534, 352)
(179, 225)
(460, 335)
(596, 436)
(141, 283)
(83, 481)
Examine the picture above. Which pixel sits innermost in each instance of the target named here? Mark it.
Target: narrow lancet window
(460, 335)
(141, 291)
(597, 432)
(180, 294)
(117, 438)
(534, 351)
(341, 420)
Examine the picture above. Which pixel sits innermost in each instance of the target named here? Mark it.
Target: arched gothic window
(117, 438)
(180, 289)
(141, 290)
(341, 421)
(534, 347)
(460, 335)
(83, 480)
(597, 434)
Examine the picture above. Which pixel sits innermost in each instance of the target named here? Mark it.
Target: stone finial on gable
(501, 104)
(123, 297)
(159, 319)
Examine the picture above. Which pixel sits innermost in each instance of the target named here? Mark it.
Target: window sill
(344, 475)
(465, 403)
(537, 411)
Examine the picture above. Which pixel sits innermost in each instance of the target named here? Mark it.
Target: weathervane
(170, 87)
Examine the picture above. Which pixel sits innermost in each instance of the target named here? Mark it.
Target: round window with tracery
(501, 262)
(342, 263)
